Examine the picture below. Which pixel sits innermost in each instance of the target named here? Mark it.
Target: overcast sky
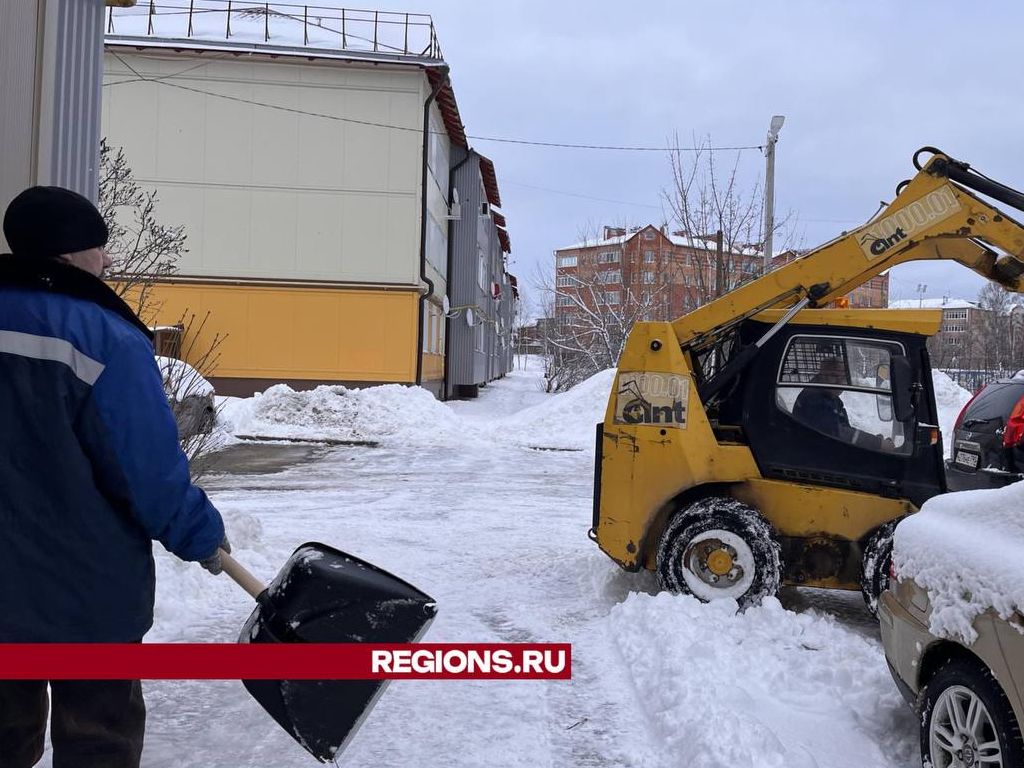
(862, 85)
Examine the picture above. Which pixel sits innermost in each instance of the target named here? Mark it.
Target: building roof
(943, 303)
(290, 29)
(490, 181)
(283, 30)
(499, 219)
(696, 243)
(506, 244)
(449, 108)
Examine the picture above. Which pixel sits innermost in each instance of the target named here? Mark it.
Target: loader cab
(833, 404)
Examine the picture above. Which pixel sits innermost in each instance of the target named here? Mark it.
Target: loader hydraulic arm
(935, 216)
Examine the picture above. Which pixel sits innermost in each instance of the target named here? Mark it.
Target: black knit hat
(52, 221)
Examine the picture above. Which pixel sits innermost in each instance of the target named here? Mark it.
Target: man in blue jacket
(91, 473)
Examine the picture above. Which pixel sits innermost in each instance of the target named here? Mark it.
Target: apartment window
(481, 271)
(649, 257)
(955, 314)
(648, 278)
(645, 296)
(567, 261)
(611, 297)
(648, 235)
(612, 276)
(608, 257)
(563, 281)
(564, 301)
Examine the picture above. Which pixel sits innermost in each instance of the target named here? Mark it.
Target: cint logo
(879, 245)
(652, 398)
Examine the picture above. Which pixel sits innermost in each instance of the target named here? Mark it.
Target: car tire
(957, 685)
(720, 548)
(875, 564)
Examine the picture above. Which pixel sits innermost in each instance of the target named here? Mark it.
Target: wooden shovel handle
(241, 577)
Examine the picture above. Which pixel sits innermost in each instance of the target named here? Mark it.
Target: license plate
(967, 459)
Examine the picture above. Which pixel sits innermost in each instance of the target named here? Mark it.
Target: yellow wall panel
(342, 334)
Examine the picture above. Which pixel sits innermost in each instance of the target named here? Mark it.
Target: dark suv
(988, 438)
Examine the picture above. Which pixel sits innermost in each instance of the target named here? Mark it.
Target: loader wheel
(720, 548)
(874, 571)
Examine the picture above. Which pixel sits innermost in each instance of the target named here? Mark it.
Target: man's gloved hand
(213, 563)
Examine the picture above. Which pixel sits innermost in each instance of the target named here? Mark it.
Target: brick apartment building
(960, 320)
(669, 273)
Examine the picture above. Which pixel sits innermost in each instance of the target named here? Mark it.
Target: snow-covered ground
(459, 500)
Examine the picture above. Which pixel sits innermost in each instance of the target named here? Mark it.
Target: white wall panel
(269, 193)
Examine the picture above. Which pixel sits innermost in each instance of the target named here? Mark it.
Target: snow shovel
(323, 595)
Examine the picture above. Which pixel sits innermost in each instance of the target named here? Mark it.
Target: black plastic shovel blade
(323, 595)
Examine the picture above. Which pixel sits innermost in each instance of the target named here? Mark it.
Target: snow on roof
(696, 243)
(943, 303)
(593, 243)
(282, 28)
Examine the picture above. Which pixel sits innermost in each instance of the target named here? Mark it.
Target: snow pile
(964, 549)
(767, 687)
(181, 380)
(185, 591)
(563, 421)
(950, 398)
(391, 413)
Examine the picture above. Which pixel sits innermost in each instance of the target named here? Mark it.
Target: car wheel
(967, 720)
(720, 548)
(874, 571)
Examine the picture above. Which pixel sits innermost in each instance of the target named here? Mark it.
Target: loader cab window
(840, 387)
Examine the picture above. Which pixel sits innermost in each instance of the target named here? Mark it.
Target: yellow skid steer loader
(764, 440)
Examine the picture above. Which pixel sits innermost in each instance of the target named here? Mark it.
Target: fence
(385, 32)
(976, 378)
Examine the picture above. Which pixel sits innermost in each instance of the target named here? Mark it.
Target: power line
(562, 145)
(282, 108)
(580, 195)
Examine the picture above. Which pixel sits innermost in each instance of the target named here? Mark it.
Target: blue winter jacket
(90, 466)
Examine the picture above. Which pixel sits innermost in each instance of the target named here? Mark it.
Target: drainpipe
(423, 222)
(451, 262)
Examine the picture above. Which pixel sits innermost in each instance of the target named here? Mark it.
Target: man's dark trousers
(95, 723)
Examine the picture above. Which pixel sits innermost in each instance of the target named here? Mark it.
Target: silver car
(968, 697)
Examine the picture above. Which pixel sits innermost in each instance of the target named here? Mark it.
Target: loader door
(818, 409)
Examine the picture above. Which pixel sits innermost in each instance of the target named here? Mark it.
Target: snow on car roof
(964, 550)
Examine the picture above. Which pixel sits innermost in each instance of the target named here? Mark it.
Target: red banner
(308, 661)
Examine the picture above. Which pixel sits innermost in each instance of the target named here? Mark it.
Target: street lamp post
(769, 188)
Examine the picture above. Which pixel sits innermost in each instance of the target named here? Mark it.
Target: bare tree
(142, 249)
(593, 317)
(706, 199)
(992, 337)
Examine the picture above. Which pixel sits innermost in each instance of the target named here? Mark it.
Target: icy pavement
(496, 532)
